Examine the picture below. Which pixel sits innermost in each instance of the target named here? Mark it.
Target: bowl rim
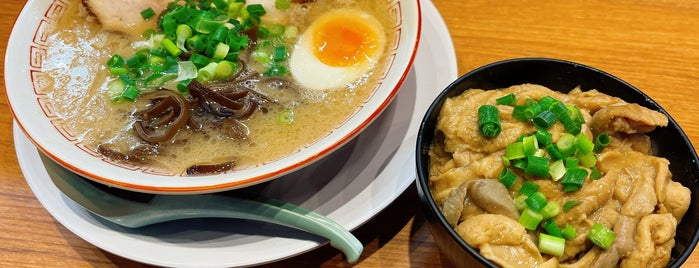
(422, 168)
(22, 44)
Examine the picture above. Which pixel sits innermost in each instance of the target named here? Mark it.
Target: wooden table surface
(651, 44)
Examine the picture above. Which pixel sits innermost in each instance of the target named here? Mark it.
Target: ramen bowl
(558, 75)
(34, 111)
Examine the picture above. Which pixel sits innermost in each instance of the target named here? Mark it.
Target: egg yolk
(344, 41)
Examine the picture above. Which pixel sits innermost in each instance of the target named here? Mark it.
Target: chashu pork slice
(124, 15)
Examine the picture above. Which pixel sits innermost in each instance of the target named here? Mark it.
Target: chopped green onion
(182, 86)
(537, 166)
(507, 178)
(530, 219)
(515, 151)
(518, 112)
(601, 236)
(551, 228)
(256, 10)
(207, 73)
(570, 204)
(136, 61)
(561, 112)
(601, 141)
(528, 188)
(519, 202)
(544, 120)
(536, 201)
(199, 60)
(282, 4)
(519, 163)
(147, 13)
(115, 61)
(553, 152)
(557, 169)
(532, 110)
(568, 232)
(276, 30)
(566, 144)
(505, 161)
(279, 53)
(595, 174)
(114, 90)
(508, 99)
(220, 52)
(530, 145)
(546, 102)
(286, 117)
(587, 160)
(543, 137)
(182, 33)
(276, 70)
(489, 121)
(550, 210)
(130, 92)
(171, 47)
(225, 69)
(574, 179)
(551, 245)
(117, 71)
(571, 162)
(575, 114)
(583, 144)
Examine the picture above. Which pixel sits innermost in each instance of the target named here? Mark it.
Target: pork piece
(501, 239)
(654, 241)
(627, 118)
(677, 198)
(125, 15)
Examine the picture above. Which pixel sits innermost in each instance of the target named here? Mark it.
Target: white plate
(349, 186)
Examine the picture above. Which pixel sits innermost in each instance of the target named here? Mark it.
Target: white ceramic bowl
(33, 113)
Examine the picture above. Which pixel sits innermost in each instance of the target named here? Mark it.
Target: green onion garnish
(551, 228)
(515, 151)
(566, 144)
(550, 210)
(601, 236)
(530, 219)
(507, 178)
(508, 99)
(570, 204)
(536, 201)
(544, 120)
(556, 170)
(601, 141)
(583, 144)
(537, 166)
(528, 188)
(489, 121)
(147, 13)
(574, 179)
(286, 117)
(568, 232)
(551, 244)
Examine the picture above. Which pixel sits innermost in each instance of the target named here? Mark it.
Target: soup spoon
(161, 208)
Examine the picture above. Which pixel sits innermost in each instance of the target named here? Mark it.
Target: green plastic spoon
(162, 208)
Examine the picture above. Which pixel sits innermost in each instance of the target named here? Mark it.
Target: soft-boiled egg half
(337, 49)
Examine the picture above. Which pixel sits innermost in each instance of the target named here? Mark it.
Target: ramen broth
(76, 60)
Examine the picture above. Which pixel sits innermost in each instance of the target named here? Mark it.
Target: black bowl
(562, 76)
